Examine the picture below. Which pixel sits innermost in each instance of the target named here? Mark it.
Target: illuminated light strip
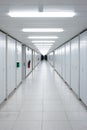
(43, 41)
(42, 30)
(43, 37)
(41, 14)
(44, 44)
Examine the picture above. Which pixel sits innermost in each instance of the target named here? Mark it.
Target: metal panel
(83, 67)
(75, 65)
(37, 58)
(60, 61)
(50, 58)
(68, 63)
(23, 62)
(11, 65)
(56, 60)
(33, 59)
(2, 67)
(63, 58)
(19, 61)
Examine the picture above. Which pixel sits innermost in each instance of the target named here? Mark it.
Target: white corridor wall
(11, 65)
(83, 67)
(2, 67)
(75, 65)
(71, 64)
(19, 62)
(63, 59)
(37, 58)
(67, 61)
(33, 59)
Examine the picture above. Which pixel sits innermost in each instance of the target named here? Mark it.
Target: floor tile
(6, 125)
(79, 125)
(79, 116)
(8, 116)
(31, 116)
(56, 125)
(54, 116)
(27, 125)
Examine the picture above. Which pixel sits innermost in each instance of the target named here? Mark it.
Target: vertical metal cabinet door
(11, 65)
(19, 60)
(68, 63)
(33, 59)
(23, 62)
(2, 67)
(55, 59)
(83, 67)
(63, 61)
(75, 65)
(59, 59)
(52, 58)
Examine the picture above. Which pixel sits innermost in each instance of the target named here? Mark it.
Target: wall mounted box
(18, 64)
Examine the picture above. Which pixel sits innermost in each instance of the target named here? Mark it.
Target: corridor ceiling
(71, 26)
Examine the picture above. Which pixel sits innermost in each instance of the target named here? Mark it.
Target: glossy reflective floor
(43, 102)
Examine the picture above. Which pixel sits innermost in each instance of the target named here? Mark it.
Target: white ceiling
(71, 26)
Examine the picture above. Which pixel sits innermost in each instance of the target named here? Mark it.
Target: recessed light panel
(43, 41)
(42, 30)
(41, 14)
(42, 37)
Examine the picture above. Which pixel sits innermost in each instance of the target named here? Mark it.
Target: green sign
(17, 64)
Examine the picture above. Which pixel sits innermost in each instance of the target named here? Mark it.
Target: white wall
(19, 60)
(50, 58)
(60, 61)
(2, 67)
(75, 65)
(67, 63)
(37, 58)
(68, 74)
(55, 60)
(11, 53)
(11, 65)
(23, 62)
(83, 67)
(71, 63)
(33, 59)
(63, 58)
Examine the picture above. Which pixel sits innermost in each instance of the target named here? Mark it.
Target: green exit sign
(18, 64)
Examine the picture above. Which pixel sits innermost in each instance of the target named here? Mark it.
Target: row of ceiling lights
(43, 43)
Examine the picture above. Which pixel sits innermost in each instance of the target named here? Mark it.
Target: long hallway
(43, 102)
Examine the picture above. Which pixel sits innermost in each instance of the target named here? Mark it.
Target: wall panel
(19, 62)
(67, 79)
(2, 67)
(75, 65)
(63, 59)
(11, 65)
(83, 67)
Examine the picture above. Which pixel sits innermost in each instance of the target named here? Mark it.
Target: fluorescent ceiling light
(42, 37)
(43, 41)
(42, 30)
(43, 44)
(41, 14)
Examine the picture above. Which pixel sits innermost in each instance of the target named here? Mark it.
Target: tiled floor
(43, 102)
